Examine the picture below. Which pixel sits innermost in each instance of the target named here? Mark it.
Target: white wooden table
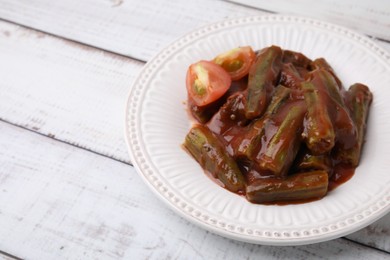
(67, 187)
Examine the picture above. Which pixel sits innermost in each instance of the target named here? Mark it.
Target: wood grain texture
(384, 45)
(368, 17)
(72, 204)
(133, 28)
(70, 92)
(76, 94)
(5, 256)
(376, 235)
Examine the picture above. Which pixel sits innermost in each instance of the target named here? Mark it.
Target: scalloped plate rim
(223, 231)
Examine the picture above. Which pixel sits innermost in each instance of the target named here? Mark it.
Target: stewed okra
(274, 125)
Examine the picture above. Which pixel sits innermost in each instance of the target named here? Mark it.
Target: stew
(282, 129)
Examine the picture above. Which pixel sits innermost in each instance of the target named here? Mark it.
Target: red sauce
(341, 175)
(273, 149)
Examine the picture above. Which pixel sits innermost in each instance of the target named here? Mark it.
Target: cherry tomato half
(206, 82)
(236, 62)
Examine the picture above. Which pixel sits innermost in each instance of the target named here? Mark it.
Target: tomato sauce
(274, 151)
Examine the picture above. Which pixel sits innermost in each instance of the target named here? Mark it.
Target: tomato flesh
(236, 62)
(206, 82)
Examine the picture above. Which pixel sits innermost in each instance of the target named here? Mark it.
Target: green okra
(321, 63)
(330, 84)
(280, 96)
(251, 141)
(262, 78)
(297, 187)
(281, 148)
(252, 138)
(360, 99)
(203, 114)
(319, 133)
(296, 58)
(345, 129)
(290, 77)
(307, 161)
(209, 152)
(231, 113)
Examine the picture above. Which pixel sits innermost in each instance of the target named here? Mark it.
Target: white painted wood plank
(60, 80)
(74, 93)
(134, 28)
(384, 45)
(140, 28)
(376, 235)
(60, 202)
(6, 257)
(369, 17)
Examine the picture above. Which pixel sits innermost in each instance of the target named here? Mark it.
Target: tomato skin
(236, 62)
(206, 82)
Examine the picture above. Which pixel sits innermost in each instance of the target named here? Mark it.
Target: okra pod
(212, 156)
(282, 145)
(297, 187)
(360, 99)
(280, 96)
(344, 126)
(251, 142)
(232, 113)
(205, 113)
(262, 78)
(296, 58)
(321, 63)
(307, 161)
(319, 133)
(329, 81)
(290, 77)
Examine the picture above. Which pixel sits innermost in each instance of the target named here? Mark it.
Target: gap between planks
(81, 146)
(83, 44)
(68, 78)
(328, 11)
(150, 26)
(91, 151)
(7, 256)
(63, 224)
(65, 142)
(366, 245)
(133, 27)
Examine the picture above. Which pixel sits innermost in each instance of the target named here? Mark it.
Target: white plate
(157, 122)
